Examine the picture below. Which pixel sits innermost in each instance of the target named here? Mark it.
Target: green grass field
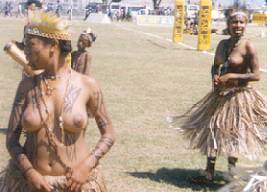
(143, 78)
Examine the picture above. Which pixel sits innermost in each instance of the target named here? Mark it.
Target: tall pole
(178, 27)
(204, 25)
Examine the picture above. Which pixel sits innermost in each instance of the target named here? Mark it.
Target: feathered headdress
(48, 25)
(89, 33)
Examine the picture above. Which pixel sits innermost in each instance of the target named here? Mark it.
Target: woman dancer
(52, 110)
(230, 120)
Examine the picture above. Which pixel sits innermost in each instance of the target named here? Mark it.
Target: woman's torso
(235, 59)
(81, 61)
(75, 119)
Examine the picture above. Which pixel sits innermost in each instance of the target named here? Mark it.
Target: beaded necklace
(49, 89)
(52, 139)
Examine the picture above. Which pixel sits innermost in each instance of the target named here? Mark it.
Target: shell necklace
(48, 91)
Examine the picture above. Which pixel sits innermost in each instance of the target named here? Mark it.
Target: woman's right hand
(38, 181)
(216, 80)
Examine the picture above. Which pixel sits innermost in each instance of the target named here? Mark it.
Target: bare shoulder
(26, 84)
(85, 81)
(219, 57)
(88, 53)
(249, 46)
(221, 47)
(222, 44)
(24, 87)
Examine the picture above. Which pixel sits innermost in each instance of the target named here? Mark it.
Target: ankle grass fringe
(230, 122)
(12, 180)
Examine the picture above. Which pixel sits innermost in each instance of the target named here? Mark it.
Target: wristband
(27, 170)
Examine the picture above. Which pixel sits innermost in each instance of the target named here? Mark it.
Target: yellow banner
(178, 28)
(204, 25)
(259, 18)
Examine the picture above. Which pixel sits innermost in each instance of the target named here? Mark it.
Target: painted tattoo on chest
(71, 97)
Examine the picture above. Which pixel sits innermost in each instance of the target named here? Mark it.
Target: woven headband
(48, 25)
(239, 13)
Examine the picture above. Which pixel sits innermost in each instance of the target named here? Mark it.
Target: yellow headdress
(48, 25)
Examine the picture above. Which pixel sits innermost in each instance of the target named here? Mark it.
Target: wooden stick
(17, 55)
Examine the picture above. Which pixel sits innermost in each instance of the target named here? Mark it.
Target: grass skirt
(231, 122)
(12, 180)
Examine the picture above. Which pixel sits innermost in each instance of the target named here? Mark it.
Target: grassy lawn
(142, 78)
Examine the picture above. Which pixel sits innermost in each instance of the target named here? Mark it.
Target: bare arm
(218, 59)
(87, 64)
(13, 145)
(253, 63)
(98, 110)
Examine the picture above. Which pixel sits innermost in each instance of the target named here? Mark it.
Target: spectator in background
(7, 11)
(32, 5)
(69, 12)
(81, 59)
(88, 11)
(58, 8)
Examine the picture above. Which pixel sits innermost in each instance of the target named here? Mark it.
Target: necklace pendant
(51, 162)
(60, 119)
(48, 92)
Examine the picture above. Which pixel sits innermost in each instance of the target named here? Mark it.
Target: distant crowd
(117, 13)
(9, 8)
(124, 13)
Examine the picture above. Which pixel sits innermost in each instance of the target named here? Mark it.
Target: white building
(76, 4)
(80, 4)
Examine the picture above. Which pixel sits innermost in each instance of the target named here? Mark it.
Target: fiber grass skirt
(12, 180)
(231, 122)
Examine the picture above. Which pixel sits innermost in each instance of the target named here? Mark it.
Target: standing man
(58, 8)
(88, 11)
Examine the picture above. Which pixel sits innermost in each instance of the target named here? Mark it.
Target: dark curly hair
(64, 45)
(36, 2)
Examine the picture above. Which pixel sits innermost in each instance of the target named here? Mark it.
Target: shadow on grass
(182, 178)
(3, 130)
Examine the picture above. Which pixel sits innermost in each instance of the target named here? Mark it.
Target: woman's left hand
(225, 78)
(78, 176)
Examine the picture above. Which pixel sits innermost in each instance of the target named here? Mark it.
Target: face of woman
(237, 26)
(36, 51)
(83, 42)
